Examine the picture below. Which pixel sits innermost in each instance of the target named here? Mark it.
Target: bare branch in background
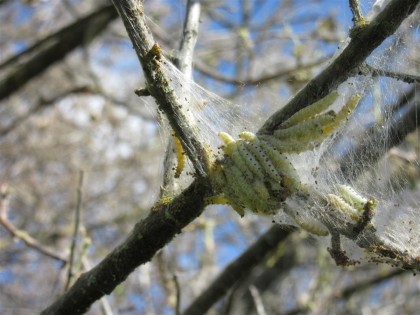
(23, 235)
(54, 48)
(367, 69)
(239, 268)
(41, 104)
(260, 80)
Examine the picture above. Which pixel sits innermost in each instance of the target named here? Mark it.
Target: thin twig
(339, 255)
(76, 229)
(19, 234)
(178, 295)
(204, 69)
(367, 69)
(230, 296)
(275, 269)
(367, 283)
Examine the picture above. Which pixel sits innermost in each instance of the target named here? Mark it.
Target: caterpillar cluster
(256, 172)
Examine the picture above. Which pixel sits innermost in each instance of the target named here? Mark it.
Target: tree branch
(150, 55)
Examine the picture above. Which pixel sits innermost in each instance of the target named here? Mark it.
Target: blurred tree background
(81, 159)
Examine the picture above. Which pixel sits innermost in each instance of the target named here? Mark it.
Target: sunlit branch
(149, 55)
(256, 297)
(357, 13)
(190, 33)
